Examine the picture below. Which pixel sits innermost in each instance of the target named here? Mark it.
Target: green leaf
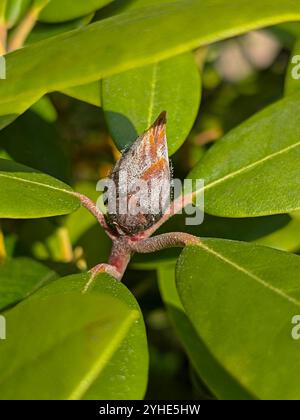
(210, 371)
(241, 299)
(106, 47)
(36, 143)
(44, 30)
(3, 4)
(7, 119)
(46, 240)
(45, 109)
(19, 278)
(27, 193)
(62, 10)
(134, 99)
(292, 81)
(254, 169)
(287, 238)
(89, 93)
(87, 328)
(120, 6)
(293, 28)
(93, 345)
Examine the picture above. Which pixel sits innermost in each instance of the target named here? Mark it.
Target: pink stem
(118, 260)
(120, 255)
(166, 240)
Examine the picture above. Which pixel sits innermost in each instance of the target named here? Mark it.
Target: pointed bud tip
(161, 120)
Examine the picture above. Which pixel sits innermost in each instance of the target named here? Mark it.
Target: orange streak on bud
(157, 168)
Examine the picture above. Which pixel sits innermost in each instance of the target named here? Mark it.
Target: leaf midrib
(248, 167)
(152, 93)
(106, 355)
(40, 184)
(248, 273)
(96, 369)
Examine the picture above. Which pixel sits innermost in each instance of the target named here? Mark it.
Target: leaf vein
(40, 184)
(251, 165)
(249, 274)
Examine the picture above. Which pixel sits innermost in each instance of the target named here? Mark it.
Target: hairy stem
(166, 240)
(124, 246)
(120, 255)
(117, 263)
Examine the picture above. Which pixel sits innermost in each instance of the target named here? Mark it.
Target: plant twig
(125, 246)
(118, 261)
(166, 240)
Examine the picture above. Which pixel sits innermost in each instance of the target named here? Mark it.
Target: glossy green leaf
(292, 81)
(241, 299)
(43, 31)
(5, 120)
(72, 337)
(211, 372)
(2, 11)
(126, 374)
(121, 6)
(34, 142)
(19, 278)
(27, 193)
(105, 47)
(112, 353)
(293, 28)
(62, 10)
(45, 109)
(133, 100)
(89, 93)
(254, 169)
(287, 238)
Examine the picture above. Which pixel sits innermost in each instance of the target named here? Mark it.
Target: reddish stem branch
(120, 255)
(117, 263)
(124, 246)
(166, 240)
